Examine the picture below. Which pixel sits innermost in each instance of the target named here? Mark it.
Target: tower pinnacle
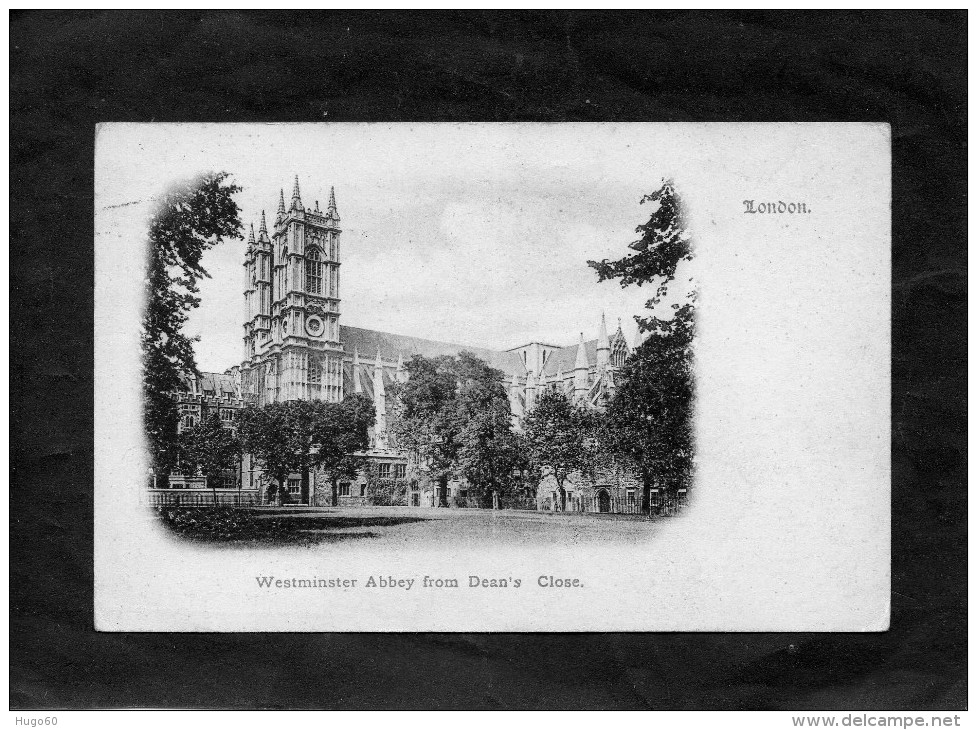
(251, 236)
(580, 369)
(602, 342)
(281, 206)
(581, 362)
(331, 209)
(263, 228)
(378, 385)
(357, 385)
(296, 198)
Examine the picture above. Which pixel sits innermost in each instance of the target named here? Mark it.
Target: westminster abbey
(296, 348)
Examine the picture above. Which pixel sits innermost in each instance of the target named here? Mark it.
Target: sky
(472, 234)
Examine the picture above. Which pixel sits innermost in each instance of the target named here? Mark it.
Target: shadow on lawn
(229, 525)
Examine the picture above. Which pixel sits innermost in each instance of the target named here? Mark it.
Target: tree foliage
(559, 437)
(265, 432)
(490, 452)
(209, 450)
(453, 417)
(648, 421)
(303, 435)
(192, 217)
(348, 435)
(665, 242)
(425, 420)
(384, 491)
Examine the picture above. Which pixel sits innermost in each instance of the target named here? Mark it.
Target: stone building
(198, 399)
(296, 348)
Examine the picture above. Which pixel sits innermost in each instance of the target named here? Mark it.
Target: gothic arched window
(619, 352)
(315, 371)
(313, 272)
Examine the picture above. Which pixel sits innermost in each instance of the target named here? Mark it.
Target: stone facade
(296, 348)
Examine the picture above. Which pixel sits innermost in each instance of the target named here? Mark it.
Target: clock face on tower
(313, 326)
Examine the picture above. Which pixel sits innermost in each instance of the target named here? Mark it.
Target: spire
(602, 342)
(331, 210)
(263, 229)
(581, 356)
(296, 198)
(281, 206)
(379, 404)
(580, 370)
(251, 237)
(378, 389)
(357, 385)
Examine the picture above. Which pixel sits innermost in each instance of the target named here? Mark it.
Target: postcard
(492, 377)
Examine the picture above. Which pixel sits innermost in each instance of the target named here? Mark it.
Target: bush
(386, 493)
(519, 501)
(214, 523)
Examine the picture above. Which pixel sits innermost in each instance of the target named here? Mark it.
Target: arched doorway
(603, 500)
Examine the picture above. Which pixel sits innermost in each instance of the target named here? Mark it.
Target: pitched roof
(368, 342)
(214, 383)
(566, 357)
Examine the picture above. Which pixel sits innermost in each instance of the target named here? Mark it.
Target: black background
(69, 71)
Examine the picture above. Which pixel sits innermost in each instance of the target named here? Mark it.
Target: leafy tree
(303, 435)
(649, 419)
(192, 217)
(265, 432)
(490, 453)
(346, 433)
(665, 243)
(425, 421)
(559, 439)
(453, 416)
(209, 449)
(648, 422)
(526, 474)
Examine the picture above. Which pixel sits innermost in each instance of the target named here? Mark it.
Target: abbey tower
(292, 344)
